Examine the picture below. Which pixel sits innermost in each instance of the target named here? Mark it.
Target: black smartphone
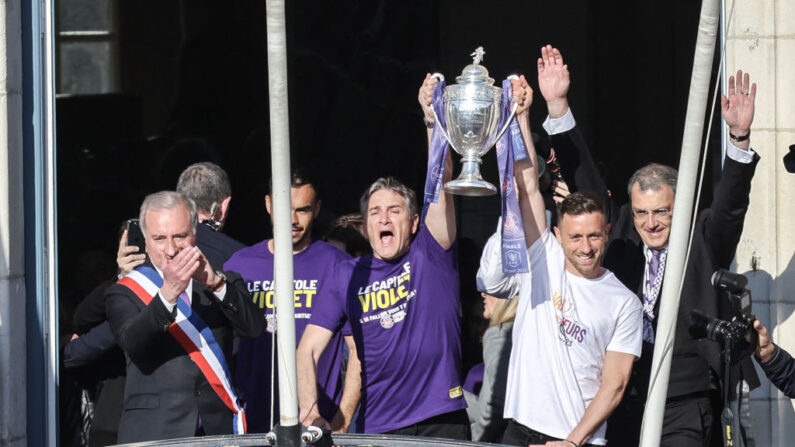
(135, 236)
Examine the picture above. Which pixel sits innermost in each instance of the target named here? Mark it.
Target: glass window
(86, 47)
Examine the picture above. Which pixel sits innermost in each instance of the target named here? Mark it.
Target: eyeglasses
(659, 214)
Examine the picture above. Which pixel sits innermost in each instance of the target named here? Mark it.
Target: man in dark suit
(208, 185)
(638, 249)
(167, 395)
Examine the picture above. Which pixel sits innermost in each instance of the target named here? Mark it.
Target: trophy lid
(475, 73)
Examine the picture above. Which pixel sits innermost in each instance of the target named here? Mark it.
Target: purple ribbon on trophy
(510, 148)
(437, 153)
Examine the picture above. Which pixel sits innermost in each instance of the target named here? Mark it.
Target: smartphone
(135, 236)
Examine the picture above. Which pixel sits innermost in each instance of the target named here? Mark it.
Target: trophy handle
(514, 106)
(507, 123)
(444, 132)
(440, 77)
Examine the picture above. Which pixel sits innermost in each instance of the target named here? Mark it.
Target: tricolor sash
(195, 337)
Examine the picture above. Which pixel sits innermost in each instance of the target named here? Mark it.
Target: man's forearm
(440, 218)
(602, 405)
(531, 204)
(351, 394)
(307, 387)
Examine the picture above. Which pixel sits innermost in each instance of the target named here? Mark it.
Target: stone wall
(762, 41)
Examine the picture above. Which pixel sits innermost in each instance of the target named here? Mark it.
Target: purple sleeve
(331, 313)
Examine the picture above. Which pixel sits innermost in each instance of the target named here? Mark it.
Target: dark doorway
(165, 83)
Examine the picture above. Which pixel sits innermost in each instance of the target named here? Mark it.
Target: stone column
(762, 41)
(12, 280)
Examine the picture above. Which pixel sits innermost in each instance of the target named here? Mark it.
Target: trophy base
(475, 188)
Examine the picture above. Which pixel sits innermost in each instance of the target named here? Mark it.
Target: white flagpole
(282, 223)
(683, 212)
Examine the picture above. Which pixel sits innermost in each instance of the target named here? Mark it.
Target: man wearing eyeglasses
(638, 250)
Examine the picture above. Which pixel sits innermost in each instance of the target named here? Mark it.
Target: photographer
(778, 364)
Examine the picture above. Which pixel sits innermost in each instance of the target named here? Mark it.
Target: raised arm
(531, 203)
(440, 218)
(576, 162)
(724, 224)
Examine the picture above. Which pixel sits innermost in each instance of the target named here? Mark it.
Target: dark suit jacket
(717, 233)
(216, 246)
(166, 392)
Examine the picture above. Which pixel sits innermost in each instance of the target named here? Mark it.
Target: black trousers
(518, 434)
(452, 425)
(689, 421)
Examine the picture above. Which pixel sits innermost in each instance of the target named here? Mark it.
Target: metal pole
(683, 211)
(282, 223)
(51, 247)
(724, 78)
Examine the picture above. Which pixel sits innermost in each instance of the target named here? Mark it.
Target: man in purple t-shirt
(313, 268)
(403, 308)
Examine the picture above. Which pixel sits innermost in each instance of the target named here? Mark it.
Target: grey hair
(207, 184)
(391, 184)
(168, 200)
(653, 177)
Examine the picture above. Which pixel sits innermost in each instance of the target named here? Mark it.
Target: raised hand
(127, 257)
(738, 107)
(522, 95)
(205, 274)
(425, 96)
(553, 80)
(178, 271)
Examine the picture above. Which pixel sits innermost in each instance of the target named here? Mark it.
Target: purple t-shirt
(405, 318)
(312, 271)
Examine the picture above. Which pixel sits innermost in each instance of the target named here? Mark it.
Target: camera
(737, 336)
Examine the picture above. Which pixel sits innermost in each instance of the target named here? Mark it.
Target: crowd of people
(189, 324)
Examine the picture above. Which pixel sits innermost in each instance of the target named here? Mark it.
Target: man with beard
(313, 267)
(577, 330)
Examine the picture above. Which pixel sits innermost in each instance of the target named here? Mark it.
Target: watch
(218, 284)
(741, 137)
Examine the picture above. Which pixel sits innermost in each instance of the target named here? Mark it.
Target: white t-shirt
(564, 325)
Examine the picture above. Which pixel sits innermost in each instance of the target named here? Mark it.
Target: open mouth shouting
(387, 238)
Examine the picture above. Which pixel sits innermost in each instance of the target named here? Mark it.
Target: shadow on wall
(774, 301)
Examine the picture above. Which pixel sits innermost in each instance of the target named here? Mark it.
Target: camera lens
(702, 326)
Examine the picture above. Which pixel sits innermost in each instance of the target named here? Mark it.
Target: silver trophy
(472, 108)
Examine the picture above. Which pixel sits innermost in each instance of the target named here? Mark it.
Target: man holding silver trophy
(402, 301)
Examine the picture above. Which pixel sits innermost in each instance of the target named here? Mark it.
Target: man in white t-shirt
(578, 330)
